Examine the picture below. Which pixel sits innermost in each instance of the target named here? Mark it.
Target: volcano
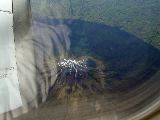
(79, 77)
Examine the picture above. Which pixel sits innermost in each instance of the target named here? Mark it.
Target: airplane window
(88, 59)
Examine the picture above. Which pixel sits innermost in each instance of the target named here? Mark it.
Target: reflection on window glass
(94, 59)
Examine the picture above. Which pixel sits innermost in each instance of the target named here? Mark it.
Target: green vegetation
(138, 17)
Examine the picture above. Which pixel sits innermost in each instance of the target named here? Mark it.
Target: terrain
(138, 17)
(122, 36)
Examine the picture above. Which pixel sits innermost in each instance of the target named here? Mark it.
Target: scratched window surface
(105, 55)
(88, 59)
(10, 98)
